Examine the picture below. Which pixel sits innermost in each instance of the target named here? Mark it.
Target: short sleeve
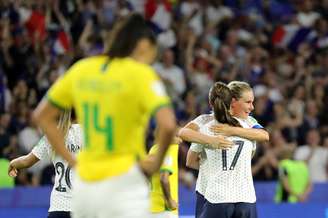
(202, 119)
(167, 164)
(41, 149)
(152, 91)
(198, 148)
(253, 123)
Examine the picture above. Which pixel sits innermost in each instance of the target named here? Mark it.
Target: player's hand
(219, 142)
(12, 171)
(177, 140)
(171, 204)
(222, 129)
(302, 197)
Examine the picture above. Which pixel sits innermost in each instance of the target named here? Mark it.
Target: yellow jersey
(113, 101)
(170, 164)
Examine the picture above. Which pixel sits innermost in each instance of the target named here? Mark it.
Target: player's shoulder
(203, 119)
(43, 141)
(90, 61)
(75, 131)
(139, 73)
(76, 127)
(251, 119)
(253, 123)
(136, 65)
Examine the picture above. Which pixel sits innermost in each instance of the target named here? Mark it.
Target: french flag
(291, 36)
(62, 43)
(35, 22)
(159, 14)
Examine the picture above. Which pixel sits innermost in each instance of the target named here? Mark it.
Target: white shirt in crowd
(317, 163)
(175, 75)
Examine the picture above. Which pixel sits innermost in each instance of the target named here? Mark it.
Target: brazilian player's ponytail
(126, 34)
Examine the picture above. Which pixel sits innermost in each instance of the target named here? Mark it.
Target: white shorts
(165, 214)
(124, 196)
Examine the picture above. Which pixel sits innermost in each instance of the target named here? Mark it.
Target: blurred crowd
(279, 47)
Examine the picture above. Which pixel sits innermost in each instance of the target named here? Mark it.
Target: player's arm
(285, 184)
(283, 177)
(22, 162)
(154, 100)
(190, 133)
(46, 115)
(166, 125)
(193, 155)
(192, 160)
(170, 203)
(305, 195)
(253, 134)
(59, 97)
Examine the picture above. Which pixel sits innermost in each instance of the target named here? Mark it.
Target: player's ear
(233, 103)
(209, 102)
(233, 100)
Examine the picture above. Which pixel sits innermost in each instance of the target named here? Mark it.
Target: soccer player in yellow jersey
(114, 96)
(164, 184)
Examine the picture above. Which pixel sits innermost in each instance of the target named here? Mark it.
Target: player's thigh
(173, 215)
(164, 214)
(222, 210)
(245, 210)
(124, 196)
(59, 214)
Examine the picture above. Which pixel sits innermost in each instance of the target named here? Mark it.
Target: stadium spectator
(294, 184)
(315, 156)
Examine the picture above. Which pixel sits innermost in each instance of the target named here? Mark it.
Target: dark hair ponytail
(220, 98)
(126, 34)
